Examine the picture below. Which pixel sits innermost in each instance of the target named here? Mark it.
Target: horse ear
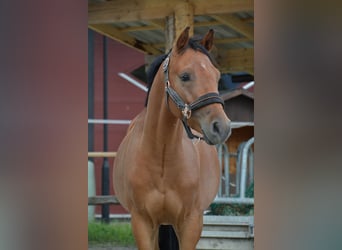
(183, 39)
(208, 40)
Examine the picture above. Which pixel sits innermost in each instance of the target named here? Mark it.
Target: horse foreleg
(189, 231)
(145, 234)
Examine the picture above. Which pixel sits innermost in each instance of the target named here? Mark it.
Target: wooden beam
(237, 60)
(160, 25)
(209, 24)
(154, 25)
(184, 17)
(247, 70)
(139, 28)
(231, 40)
(244, 52)
(125, 10)
(216, 41)
(237, 24)
(248, 20)
(114, 33)
(205, 7)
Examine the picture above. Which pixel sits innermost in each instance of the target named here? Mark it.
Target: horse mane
(152, 71)
(193, 43)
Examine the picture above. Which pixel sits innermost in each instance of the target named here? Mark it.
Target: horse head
(192, 83)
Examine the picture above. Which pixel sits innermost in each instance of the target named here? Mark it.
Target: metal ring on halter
(166, 63)
(186, 111)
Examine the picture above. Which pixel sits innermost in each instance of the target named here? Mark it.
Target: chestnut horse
(164, 174)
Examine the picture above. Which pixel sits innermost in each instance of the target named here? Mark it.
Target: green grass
(116, 233)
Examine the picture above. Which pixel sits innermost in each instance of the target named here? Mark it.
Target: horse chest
(163, 178)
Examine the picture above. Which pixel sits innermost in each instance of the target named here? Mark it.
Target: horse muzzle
(217, 131)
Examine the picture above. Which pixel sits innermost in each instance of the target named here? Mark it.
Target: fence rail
(101, 154)
(103, 199)
(244, 162)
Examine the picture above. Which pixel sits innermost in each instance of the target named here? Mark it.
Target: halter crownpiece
(186, 108)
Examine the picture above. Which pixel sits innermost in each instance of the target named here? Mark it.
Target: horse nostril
(220, 129)
(216, 127)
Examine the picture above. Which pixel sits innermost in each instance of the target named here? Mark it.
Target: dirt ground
(109, 247)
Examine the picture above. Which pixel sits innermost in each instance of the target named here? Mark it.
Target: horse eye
(185, 77)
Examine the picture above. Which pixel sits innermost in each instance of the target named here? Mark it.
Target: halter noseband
(185, 108)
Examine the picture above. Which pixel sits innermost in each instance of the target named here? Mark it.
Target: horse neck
(161, 127)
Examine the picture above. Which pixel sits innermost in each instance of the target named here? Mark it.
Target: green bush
(234, 209)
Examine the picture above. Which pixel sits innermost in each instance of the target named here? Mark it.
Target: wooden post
(182, 17)
(169, 32)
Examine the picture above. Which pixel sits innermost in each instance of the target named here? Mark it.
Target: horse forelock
(194, 43)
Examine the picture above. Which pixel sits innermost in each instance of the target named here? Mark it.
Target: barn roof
(142, 25)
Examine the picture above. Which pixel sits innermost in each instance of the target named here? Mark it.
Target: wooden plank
(114, 33)
(249, 70)
(225, 244)
(225, 234)
(231, 40)
(160, 24)
(243, 52)
(140, 28)
(226, 70)
(125, 10)
(154, 25)
(227, 220)
(101, 154)
(236, 24)
(237, 63)
(205, 7)
(209, 24)
(237, 60)
(105, 199)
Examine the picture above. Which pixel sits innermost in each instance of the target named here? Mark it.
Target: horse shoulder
(126, 158)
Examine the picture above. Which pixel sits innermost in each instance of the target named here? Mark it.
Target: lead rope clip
(196, 141)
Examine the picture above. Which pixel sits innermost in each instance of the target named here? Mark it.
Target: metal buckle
(166, 63)
(186, 111)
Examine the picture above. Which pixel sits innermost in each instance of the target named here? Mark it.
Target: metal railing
(245, 161)
(244, 173)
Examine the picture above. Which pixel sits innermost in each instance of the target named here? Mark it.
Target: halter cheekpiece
(186, 108)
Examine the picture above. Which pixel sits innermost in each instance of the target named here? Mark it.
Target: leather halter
(185, 108)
